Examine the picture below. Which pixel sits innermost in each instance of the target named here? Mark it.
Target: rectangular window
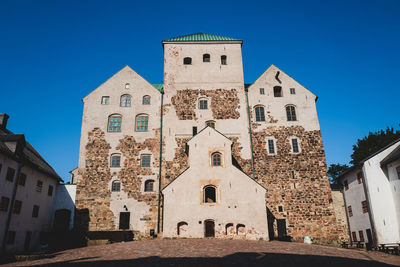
(142, 123)
(115, 161)
(295, 146)
(105, 100)
(17, 207)
(346, 185)
(145, 160)
(292, 91)
(4, 204)
(35, 211)
(398, 171)
(364, 206)
(271, 146)
(354, 236)
(10, 174)
(361, 234)
(50, 190)
(22, 179)
(293, 175)
(350, 211)
(114, 124)
(194, 130)
(262, 92)
(39, 186)
(360, 177)
(11, 237)
(203, 104)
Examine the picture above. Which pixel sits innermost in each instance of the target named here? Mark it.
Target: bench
(393, 248)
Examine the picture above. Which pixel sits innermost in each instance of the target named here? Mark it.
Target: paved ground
(213, 252)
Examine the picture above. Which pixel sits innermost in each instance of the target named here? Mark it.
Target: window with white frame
(271, 146)
(295, 145)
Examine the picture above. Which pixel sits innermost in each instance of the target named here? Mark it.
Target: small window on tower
(206, 58)
(262, 92)
(187, 61)
(223, 60)
(292, 91)
(105, 100)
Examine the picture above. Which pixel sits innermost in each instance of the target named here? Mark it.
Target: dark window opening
(11, 237)
(206, 58)
(39, 186)
(210, 124)
(262, 92)
(240, 229)
(209, 228)
(116, 186)
(350, 210)
(124, 218)
(35, 211)
(194, 130)
(209, 194)
(260, 113)
(364, 206)
(22, 179)
(182, 228)
(280, 208)
(10, 174)
(229, 229)
(149, 186)
(354, 235)
(361, 234)
(5, 201)
(271, 146)
(216, 159)
(187, 61)
(50, 191)
(17, 207)
(291, 113)
(295, 146)
(292, 91)
(223, 60)
(277, 91)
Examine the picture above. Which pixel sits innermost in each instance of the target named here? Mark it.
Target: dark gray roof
(395, 154)
(27, 154)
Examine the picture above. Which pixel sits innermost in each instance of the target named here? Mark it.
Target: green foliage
(372, 143)
(335, 170)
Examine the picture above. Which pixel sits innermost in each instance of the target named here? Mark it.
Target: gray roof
(395, 154)
(26, 154)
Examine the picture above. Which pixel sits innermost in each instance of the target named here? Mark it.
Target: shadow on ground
(237, 259)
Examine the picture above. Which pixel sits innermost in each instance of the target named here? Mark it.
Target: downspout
(160, 164)
(9, 213)
(370, 215)
(251, 138)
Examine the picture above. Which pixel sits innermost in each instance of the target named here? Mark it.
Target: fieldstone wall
(306, 198)
(92, 192)
(224, 103)
(244, 164)
(175, 167)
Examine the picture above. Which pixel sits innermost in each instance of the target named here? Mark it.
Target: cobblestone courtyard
(213, 252)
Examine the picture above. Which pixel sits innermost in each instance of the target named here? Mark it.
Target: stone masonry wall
(224, 103)
(93, 193)
(306, 198)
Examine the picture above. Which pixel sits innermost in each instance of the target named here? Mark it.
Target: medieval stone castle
(204, 154)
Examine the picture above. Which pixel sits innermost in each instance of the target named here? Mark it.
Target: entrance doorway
(124, 220)
(61, 220)
(209, 228)
(27, 243)
(281, 223)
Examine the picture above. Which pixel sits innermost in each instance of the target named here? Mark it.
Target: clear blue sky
(53, 53)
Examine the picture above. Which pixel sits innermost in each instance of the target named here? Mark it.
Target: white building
(27, 191)
(372, 196)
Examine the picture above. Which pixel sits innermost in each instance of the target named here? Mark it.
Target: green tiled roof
(158, 86)
(200, 37)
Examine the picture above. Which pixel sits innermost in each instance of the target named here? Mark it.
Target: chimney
(3, 121)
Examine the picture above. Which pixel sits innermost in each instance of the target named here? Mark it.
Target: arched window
(187, 61)
(114, 123)
(216, 159)
(206, 58)
(223, 60)
(210, 124)
(210, 194)
(116, 186)
(149, 186)
(146, 100)
(142, 123)
(240, 229)
(203, 103)
(260, 113)
(115, 160)
(277, 91)
(229, 229)
(127, 86)
(125, 101)
(291, 113)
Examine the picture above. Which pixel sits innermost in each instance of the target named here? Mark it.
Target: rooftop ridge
(200, 37)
